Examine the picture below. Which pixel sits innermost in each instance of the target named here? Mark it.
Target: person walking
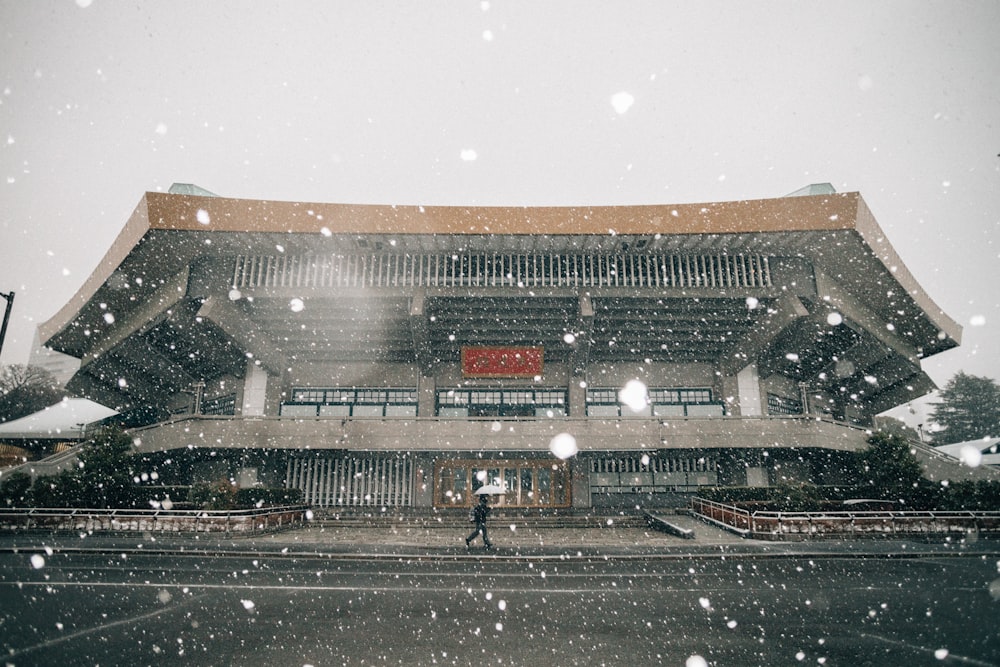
(479, 514)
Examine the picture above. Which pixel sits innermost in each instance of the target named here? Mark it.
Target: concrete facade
(765, 334)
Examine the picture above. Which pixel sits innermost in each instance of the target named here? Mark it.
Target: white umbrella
(490, 490)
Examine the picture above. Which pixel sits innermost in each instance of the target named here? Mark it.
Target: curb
(362, 552)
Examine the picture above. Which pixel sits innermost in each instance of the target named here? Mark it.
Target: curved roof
(836, 231)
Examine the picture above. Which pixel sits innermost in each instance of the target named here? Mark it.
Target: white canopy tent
(66, 420)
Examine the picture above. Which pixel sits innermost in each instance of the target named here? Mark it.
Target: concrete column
(730, 388)
(576, 398)
(749, 397)
(579, 472)
(426, 395)
(423, 480)
(254, 391)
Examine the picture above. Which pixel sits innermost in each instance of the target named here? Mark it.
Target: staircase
(367, 517)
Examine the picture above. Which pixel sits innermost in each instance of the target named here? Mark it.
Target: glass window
(401, 396)
(550, 397)
(334, 411)
(544, 490)
(527, 483)
(510, 479)
(527, 486)
(664, 396)
(644, 411)
(520, 397)
(308, 395)
(338, 401)
(340, 396)
(291, 410)
(370, 396)
(695, 395)
(502, 402)
(604, 402)
(709, 410)
(602, 396)
(452, 397)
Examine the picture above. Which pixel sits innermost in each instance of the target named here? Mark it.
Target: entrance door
(526, 482)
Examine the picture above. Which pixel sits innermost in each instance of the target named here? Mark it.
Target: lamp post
(6, 316)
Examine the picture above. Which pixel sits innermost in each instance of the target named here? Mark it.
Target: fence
(770, 525)
(169, 521)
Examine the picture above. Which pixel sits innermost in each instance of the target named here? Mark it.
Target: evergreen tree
(888, 469)
(969, 410)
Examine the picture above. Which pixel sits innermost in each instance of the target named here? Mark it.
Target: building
(973, 453)
(404, 355)
(50, 431)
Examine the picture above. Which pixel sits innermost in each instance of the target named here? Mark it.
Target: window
(501, 403)
(782, 405)
(351, 402)
(663, 402)
(657, 473)
(220, 405)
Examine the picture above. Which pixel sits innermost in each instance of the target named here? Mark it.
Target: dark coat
(480, 512)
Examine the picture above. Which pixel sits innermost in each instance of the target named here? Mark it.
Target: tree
(103, 477)
(106, 470)
(25, 390)
(969, 410)
(888, 469)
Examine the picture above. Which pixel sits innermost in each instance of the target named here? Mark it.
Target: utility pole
(6, 316)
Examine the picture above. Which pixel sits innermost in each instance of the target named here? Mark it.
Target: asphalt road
(275, 609)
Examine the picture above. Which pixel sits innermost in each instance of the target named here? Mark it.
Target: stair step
(353, 517)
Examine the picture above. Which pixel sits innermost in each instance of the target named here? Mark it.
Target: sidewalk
(512, 541)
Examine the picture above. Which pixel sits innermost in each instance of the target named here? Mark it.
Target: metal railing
(249, 521)
(782, 525)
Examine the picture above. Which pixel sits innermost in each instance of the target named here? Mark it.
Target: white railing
(172, 521)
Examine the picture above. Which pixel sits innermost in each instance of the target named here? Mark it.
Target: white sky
(503, 103)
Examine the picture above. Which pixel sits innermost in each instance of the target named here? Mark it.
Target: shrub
(979, 496)
(265, 497)
(219, 495)
(797, 498)
(15, 490)
(60, 490)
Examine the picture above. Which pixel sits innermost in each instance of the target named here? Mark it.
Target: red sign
(501, 362)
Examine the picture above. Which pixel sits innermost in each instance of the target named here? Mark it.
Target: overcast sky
(503, 103)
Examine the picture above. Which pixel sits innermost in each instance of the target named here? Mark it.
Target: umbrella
(490, 490)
